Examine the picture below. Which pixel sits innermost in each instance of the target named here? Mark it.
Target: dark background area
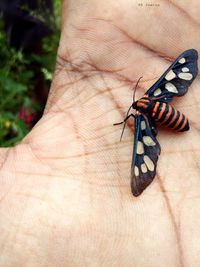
(29, 36)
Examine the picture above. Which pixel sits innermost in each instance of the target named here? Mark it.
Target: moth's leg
(118, 123)
(124, 121)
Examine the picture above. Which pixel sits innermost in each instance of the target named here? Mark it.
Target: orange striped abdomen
(166, 115)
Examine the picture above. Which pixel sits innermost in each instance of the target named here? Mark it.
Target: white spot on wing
(140, 148)
(171, 88)
(182, 60)
(185, 69)
(136, 171)
(157, 92)
(148, 140)
(143, 167)
(185, 76)
(170, 75)
(143, 125)
(149, 163)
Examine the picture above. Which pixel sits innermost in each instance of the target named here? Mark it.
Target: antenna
(136, 88)
(127, 113)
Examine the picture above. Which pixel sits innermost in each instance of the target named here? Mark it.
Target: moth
(154, 109)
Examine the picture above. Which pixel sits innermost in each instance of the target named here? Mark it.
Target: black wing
(146, 150)
(177, 78)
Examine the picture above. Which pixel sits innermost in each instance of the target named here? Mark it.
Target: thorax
(144, 105)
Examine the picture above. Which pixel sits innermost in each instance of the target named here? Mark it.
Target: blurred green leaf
(47, 74)
(18, 73)
(10, 85)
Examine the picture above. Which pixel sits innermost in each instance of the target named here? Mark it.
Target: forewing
(146, 150)
(177, 78)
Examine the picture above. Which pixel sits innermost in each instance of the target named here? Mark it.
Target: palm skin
(65, 189)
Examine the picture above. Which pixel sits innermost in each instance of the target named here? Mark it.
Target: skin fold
(65, 197)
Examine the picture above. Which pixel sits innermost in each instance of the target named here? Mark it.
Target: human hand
(65, 189)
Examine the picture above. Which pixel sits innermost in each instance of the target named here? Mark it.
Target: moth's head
(134, 105)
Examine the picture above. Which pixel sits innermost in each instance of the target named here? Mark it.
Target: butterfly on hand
(154, 109)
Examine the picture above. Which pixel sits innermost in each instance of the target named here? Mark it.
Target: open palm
(65, 189)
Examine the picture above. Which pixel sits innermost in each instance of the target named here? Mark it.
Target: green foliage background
(17, 73)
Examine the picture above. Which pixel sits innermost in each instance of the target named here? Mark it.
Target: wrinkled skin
(65, 189)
